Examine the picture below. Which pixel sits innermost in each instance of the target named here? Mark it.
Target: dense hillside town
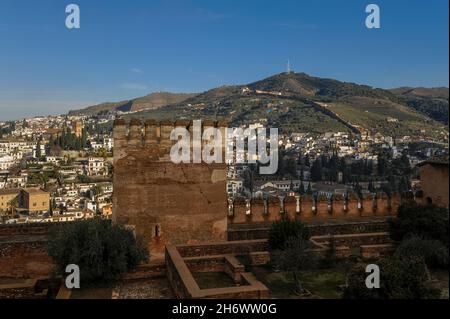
(66, 162)
(61, 163)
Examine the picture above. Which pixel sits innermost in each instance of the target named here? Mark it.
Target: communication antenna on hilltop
(288, 67)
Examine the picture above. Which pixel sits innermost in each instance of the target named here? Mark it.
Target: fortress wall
(187, 203)
(165, 202)
(378, 205)
(23, 256)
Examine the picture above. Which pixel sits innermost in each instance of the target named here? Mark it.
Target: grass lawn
(322, 283)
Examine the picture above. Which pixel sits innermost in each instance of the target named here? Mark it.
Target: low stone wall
(261, 230)
(24, 257)
(26, 289)
(222, 248)
(206, 263)
(223, 263)
(353, 240)
(354, 227)
(23, 251)
(376, 251)
(258, 258)
(147, 271)
(247, 233)
(179, 276)
(253, 290)
(233, 268)
(26, 229)
(184, 285)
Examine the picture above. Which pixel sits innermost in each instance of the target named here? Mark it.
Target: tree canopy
(283, 230)
(424, 221)
(399, 279)
(102, 251)
(432, 252)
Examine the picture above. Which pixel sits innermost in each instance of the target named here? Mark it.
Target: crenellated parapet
(368, 202)
(340, 205)
(308, 207)
(395, 200)
(156, 135)
(323, 207)
(383, 204)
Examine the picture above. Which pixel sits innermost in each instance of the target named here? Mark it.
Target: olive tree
(103, 251)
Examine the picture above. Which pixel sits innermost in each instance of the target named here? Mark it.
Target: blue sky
(126, 49)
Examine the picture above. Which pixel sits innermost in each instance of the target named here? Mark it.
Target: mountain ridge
(150, 101)
(298, 102)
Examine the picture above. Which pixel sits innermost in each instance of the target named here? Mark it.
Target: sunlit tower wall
(166, 202)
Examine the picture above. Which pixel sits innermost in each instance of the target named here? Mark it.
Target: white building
(6, 162)
(96, 166)
(108, 143)
(96, 145)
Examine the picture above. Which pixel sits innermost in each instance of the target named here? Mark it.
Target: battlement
(151, 133)
(307, 207)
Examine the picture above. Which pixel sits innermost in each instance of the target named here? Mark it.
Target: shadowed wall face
(163, 201)
(434, 182)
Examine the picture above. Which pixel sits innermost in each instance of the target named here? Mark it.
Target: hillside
(150, 101)
(432, 102)
(297, 102)
(439, 92)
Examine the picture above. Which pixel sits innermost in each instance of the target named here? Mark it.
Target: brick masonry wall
(177, 203)
(184, 285)
(22, 251)
(21, 290)
(24, 229)
(434, 182)
(261, 230)
(354, 240)
(26, 259)
(376, 251)
(222, 248)
(244, 211)
(206, 264)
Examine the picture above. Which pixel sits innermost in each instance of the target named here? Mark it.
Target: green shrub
(102, 250)
(433, 252)
(428, 222)
(399, 279)
(285, 229)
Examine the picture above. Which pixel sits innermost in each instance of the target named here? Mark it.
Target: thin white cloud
(134, 86)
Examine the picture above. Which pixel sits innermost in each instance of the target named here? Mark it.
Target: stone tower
(166, 202)
(77, 128)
